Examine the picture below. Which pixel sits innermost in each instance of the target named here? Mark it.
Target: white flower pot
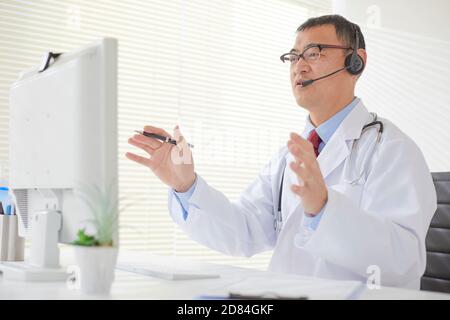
(97, 265)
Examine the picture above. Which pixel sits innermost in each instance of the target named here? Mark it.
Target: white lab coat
(381, 220)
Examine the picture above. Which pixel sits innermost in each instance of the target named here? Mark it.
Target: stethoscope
(278, 219)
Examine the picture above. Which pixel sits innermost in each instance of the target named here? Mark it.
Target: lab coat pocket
(351, 191)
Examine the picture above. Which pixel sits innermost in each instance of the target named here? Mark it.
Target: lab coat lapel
(339, 146)
(331, 156)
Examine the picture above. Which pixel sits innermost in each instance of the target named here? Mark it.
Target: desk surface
(134, 286)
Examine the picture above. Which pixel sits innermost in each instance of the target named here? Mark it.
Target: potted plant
(96, 251)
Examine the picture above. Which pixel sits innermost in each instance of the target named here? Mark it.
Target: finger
(300, 155)
(178, 135)
(305, 146)
(181, 142)
(177, 132)
(151, 129)
(303, 175)
(141, 160)
(150, 142)
(299, 139)
(143, 146)
(299, 190)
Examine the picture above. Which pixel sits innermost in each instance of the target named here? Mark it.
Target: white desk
(134, 286)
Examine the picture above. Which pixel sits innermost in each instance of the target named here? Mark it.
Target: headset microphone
(310, 81)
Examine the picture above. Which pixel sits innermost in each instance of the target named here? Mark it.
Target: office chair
(437, 273)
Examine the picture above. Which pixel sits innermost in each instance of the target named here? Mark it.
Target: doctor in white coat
(339, 201)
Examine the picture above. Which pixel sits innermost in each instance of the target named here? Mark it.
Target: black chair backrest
(437, 273)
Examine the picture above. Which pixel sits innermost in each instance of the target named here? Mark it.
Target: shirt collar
(326, 129)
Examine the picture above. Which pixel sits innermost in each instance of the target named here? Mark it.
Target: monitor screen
(63, 136)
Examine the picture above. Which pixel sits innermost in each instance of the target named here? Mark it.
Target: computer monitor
(63, 135)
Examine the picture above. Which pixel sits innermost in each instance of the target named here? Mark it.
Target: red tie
(315, 140)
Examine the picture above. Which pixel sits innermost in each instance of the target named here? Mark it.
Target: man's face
(330, 60)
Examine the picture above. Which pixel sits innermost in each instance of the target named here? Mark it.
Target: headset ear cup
(356, 67)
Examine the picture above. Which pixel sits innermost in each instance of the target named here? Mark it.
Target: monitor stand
(43, 264)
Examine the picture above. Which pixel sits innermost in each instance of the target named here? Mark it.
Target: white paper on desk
(296, 286)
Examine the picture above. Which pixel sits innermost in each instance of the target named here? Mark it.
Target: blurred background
(213, 68)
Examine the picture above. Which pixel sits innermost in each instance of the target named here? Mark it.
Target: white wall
(408, 70)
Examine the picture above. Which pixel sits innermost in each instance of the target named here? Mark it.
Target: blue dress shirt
(183, 198)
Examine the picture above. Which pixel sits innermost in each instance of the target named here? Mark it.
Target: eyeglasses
(310, 54)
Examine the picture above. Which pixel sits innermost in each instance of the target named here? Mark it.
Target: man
(354, 200)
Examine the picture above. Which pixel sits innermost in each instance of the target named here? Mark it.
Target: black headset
(353, 62)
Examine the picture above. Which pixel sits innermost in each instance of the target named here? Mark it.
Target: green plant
(104, 207)
(85, 239)
(105, 212)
